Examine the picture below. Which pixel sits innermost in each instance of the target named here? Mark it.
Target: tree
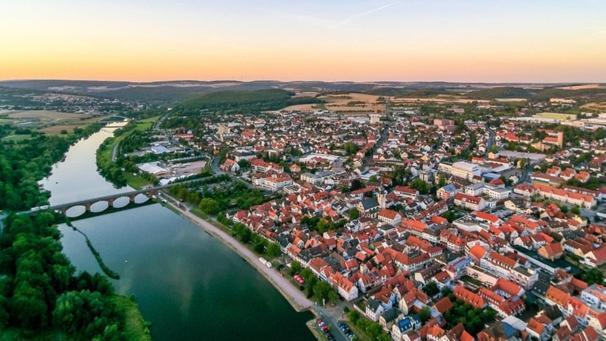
(273, 250)
(421, 186)
(209, 206)
(87, 313)
(259, 244)
(322, 291)
(424, 314)
(350, 148)
(28, 307)
(431, 289)
(591, 276)
(295, 267)
(244, 164)
(353, 213)
(356, 184)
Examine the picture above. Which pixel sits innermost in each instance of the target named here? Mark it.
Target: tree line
(40, 291)
(24, 163)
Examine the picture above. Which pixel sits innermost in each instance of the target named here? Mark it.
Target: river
(188, 284)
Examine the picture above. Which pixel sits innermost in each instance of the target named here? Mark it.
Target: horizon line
(300, 81)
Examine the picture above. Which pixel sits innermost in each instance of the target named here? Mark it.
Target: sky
(355, 40)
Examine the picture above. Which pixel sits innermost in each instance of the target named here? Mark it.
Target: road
(331, 315)
(115, 151)
(214, 165)
(491, 138)
(383, 135)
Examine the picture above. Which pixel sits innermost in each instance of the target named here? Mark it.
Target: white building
(461, 169)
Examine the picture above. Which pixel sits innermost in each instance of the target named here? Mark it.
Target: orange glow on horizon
(167, 42)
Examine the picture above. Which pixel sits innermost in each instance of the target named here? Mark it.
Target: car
(299, 279)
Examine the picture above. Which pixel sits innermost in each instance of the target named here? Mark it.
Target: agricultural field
(597, 106)
(47, 121)
(353, 102)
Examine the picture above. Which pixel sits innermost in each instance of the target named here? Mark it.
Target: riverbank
(107, 156)
(293, 295)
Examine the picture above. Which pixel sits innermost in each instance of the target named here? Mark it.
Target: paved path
(115, 151)
(296, 298)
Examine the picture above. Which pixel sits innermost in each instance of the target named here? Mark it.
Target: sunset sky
(359, 40)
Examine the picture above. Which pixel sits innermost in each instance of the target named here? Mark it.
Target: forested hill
(536, 94)
(229, 101)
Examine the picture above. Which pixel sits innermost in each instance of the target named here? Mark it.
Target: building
(375, 118)
(274, 182)
(316, 178)
(447, 192)
(469, 202)
(461, 169)
(389, 216)
(469, 297)
(565, 196)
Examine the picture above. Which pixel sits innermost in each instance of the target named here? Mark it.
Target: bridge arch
(121, 201)
(100, 206)
(141, 198)
(75, 211)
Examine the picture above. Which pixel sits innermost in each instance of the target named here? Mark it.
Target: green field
(136, 181)
(557, 116)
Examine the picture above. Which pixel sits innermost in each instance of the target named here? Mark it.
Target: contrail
(363, 14)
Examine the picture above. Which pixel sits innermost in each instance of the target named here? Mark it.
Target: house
(446, 192)
(389, 216)
(508, 289)
(230, 166)
(595, 296)
(344, 286)
(469, 202)
(403, 326)
(368, 206)
(388, 317)
(469, 297)
(551, 251)
(595, 257)
(537, 329)
(406, 192)
(442, 306)
(374, 309)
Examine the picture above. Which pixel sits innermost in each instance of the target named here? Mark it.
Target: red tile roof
(469, 297)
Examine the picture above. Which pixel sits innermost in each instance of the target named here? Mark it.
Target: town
(447, 223)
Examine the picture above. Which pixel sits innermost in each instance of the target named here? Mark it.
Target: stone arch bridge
(144, 194)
